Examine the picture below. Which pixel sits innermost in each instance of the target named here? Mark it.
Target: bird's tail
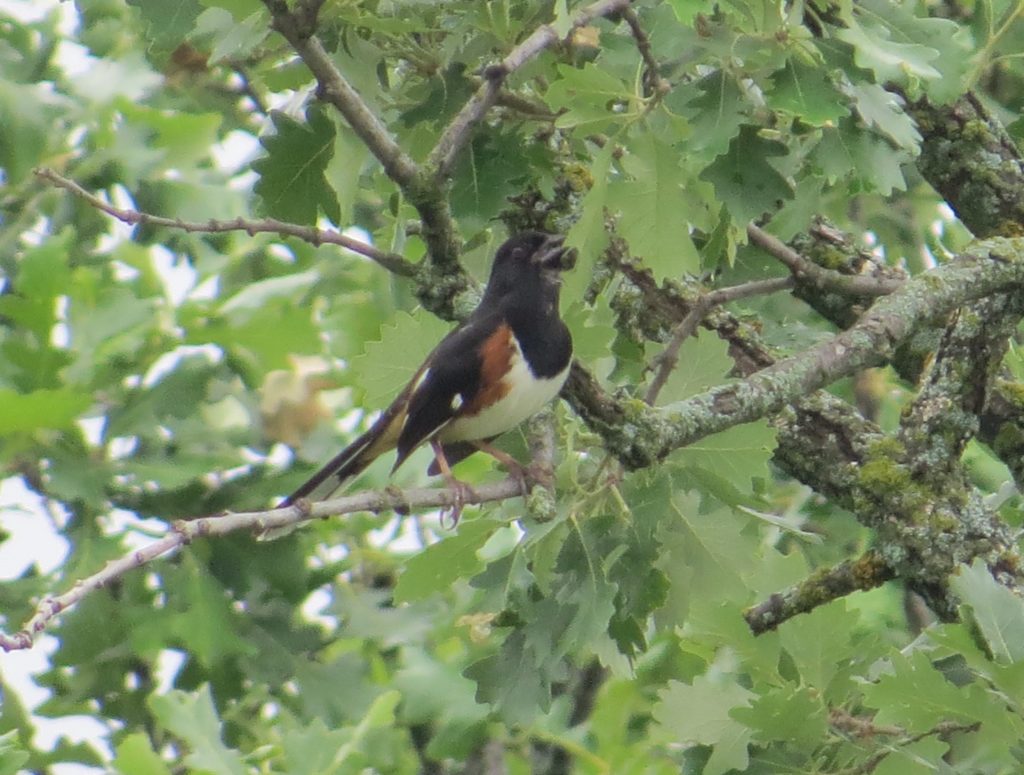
(338, 472)
(342, 468)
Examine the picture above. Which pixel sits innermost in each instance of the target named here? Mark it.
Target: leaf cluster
(150, 373)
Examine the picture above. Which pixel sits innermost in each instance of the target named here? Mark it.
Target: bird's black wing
(447, 387)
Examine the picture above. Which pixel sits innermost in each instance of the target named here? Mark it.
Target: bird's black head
(527, 259)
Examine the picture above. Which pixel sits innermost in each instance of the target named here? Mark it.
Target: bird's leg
(461, 489)
(524, 474)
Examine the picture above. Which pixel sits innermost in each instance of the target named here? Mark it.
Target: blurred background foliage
(151, 374)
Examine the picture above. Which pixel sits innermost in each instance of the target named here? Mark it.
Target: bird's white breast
(526, 396)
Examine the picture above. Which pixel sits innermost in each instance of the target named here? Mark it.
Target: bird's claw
(461, 494)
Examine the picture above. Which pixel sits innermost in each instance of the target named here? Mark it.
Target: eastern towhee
(502, 365)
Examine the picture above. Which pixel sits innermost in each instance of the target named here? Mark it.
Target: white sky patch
(34, 539)
(359, 234)
(176, 272)
(92, 429)
(19, 670)
(168, 664)
(60, 334)
(167, 362)
(207, 290)
(313, 609)
(243, 182)
(236, 150)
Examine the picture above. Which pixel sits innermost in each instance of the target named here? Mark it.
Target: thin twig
(298, 28)
(860, 727)
(456, 135)
(803, 269)
(390, 261)
(667, 359)
(184, 531)
(652, 78)
(823, 586)
(665, 362)
(525, 107)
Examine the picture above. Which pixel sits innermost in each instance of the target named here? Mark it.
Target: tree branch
(652, 78)
(184, 531)
(807, 271)
(641, 436)
(972, 162)
(298, 28)
(823, 586)
(665, 362)
(390, 261)
(456, 135)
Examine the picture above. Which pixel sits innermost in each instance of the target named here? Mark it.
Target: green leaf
(434, 692)
(588, 234)
(915, 695)
(129, 77)
(593, 332)
(821, 643)
(316, 749)
(510, 681)
(702, 713)
(26, 117)
(256, 295)
(135, 756)
(312, 749)
(167, 21)
(807, 93)
(491, 171)
(716, 109)
(12, 757)
(204, 618)
(847, 149)
(387, 364)
(293, 186)
(923, 757)
(185, 138)
(793, 714)
(743, 178)
(998, 613)
(588, 96)
(737, 456)
(654, 218)
(703, 363)
(345, 169)
(687, 10)
(43, 275)
(890, 60)
(266, 337)
(178, 394)
(880, 109)
(708, 550)
(440, 565)
(228, 37)
(934, 45)
(40, 409)
(192, 717)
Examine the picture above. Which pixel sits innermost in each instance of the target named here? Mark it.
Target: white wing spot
(456, 402)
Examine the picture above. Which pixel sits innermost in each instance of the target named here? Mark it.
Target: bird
(499, 367)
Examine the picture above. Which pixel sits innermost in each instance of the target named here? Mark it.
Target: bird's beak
(553, 255)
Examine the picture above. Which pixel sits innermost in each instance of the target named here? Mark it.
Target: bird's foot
(461, 493)
(524, 474)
